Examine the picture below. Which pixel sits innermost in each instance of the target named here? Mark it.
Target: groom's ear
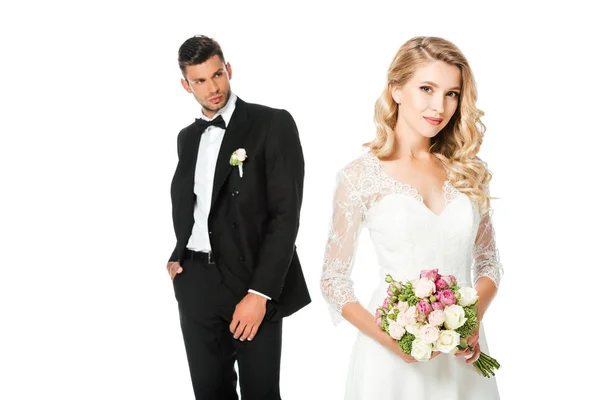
(186, 85)
(228, 68)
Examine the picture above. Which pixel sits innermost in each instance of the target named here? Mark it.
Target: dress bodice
(407, 236)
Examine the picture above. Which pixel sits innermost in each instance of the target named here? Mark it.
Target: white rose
(402, 319)
(241, 154)
(402, 306)
(424, 288)
(437, 317)
(455, 317)
(468, 296)
(421, 351)
(429, 334)
(413, 329)
(447, 342)
(407, 317)
(396, 331)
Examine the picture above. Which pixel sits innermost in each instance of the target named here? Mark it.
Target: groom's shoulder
(266, 112)
(183, 132)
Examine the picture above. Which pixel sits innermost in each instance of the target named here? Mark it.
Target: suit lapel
(235, 135)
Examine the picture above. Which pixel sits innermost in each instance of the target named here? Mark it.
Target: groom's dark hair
(197, 50)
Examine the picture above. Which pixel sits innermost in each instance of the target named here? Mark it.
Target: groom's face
(209, 83)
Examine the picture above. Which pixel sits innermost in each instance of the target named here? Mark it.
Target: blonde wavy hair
(457, 145)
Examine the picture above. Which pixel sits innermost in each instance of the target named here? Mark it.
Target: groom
(236, 197)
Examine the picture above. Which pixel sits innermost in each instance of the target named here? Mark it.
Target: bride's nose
(437, 104)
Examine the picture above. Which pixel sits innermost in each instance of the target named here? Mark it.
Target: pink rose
(450, 279)
(441, 284)
(424, 288)
(386, 303)
(396, 330)
(437, 317)
(407, 317)
(429, 334)
(431, 274)
(424, 307)
(241, 154)
(394, 288)
(437, 306)
(402, 306)
(447, 297)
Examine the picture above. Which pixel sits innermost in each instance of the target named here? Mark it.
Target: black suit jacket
(254, 219)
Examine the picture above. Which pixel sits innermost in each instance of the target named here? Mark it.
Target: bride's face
(429, 99)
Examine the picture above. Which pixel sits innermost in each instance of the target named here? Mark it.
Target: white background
(91, 106)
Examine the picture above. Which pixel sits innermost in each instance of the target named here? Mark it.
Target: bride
(422, 193)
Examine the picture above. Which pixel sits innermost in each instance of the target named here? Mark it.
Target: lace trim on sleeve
(346, 223)
(486, 258)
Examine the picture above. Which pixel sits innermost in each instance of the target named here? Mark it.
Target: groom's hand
(174, 268)
(248, 316)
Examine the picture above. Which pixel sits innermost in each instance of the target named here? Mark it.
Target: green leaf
(405, 343)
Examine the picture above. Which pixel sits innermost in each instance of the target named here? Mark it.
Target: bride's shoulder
(359, 168)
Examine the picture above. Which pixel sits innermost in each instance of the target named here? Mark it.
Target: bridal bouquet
(432, 313)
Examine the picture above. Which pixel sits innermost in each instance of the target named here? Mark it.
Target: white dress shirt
(206, 164)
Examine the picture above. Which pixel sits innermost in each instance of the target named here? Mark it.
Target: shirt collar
(226, 112)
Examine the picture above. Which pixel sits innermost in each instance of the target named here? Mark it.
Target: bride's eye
(453, 94)
(426, 89)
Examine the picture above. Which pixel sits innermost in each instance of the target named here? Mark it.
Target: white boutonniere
(237, 160)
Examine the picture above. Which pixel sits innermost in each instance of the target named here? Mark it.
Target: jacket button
(210, 232)
(234, 225)
(242, 259)
(235, 193)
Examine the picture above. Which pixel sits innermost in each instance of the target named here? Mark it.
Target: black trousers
(206, 308)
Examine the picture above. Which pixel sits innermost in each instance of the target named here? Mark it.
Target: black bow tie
(219, 121)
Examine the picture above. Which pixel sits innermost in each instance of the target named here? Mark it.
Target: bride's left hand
(471, 355)
(474, 355)
(473, 342)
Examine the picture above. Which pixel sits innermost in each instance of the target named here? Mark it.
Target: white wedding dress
(407, 237)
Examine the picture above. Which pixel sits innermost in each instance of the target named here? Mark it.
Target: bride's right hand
(358, 316)
(393, 346)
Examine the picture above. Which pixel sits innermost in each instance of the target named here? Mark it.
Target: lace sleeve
(346, 224)
(486, 259)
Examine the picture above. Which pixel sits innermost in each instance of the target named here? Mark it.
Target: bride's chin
(429, 135)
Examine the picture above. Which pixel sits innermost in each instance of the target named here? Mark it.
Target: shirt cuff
(259, 293)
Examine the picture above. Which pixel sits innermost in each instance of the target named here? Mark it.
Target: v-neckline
(411, 189)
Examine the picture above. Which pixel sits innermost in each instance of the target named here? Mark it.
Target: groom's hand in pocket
(174, 268)
(248, 316)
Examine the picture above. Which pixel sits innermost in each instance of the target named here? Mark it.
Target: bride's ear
(396, 94)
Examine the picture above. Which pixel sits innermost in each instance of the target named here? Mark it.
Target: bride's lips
(216, 99)
(433, 121)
